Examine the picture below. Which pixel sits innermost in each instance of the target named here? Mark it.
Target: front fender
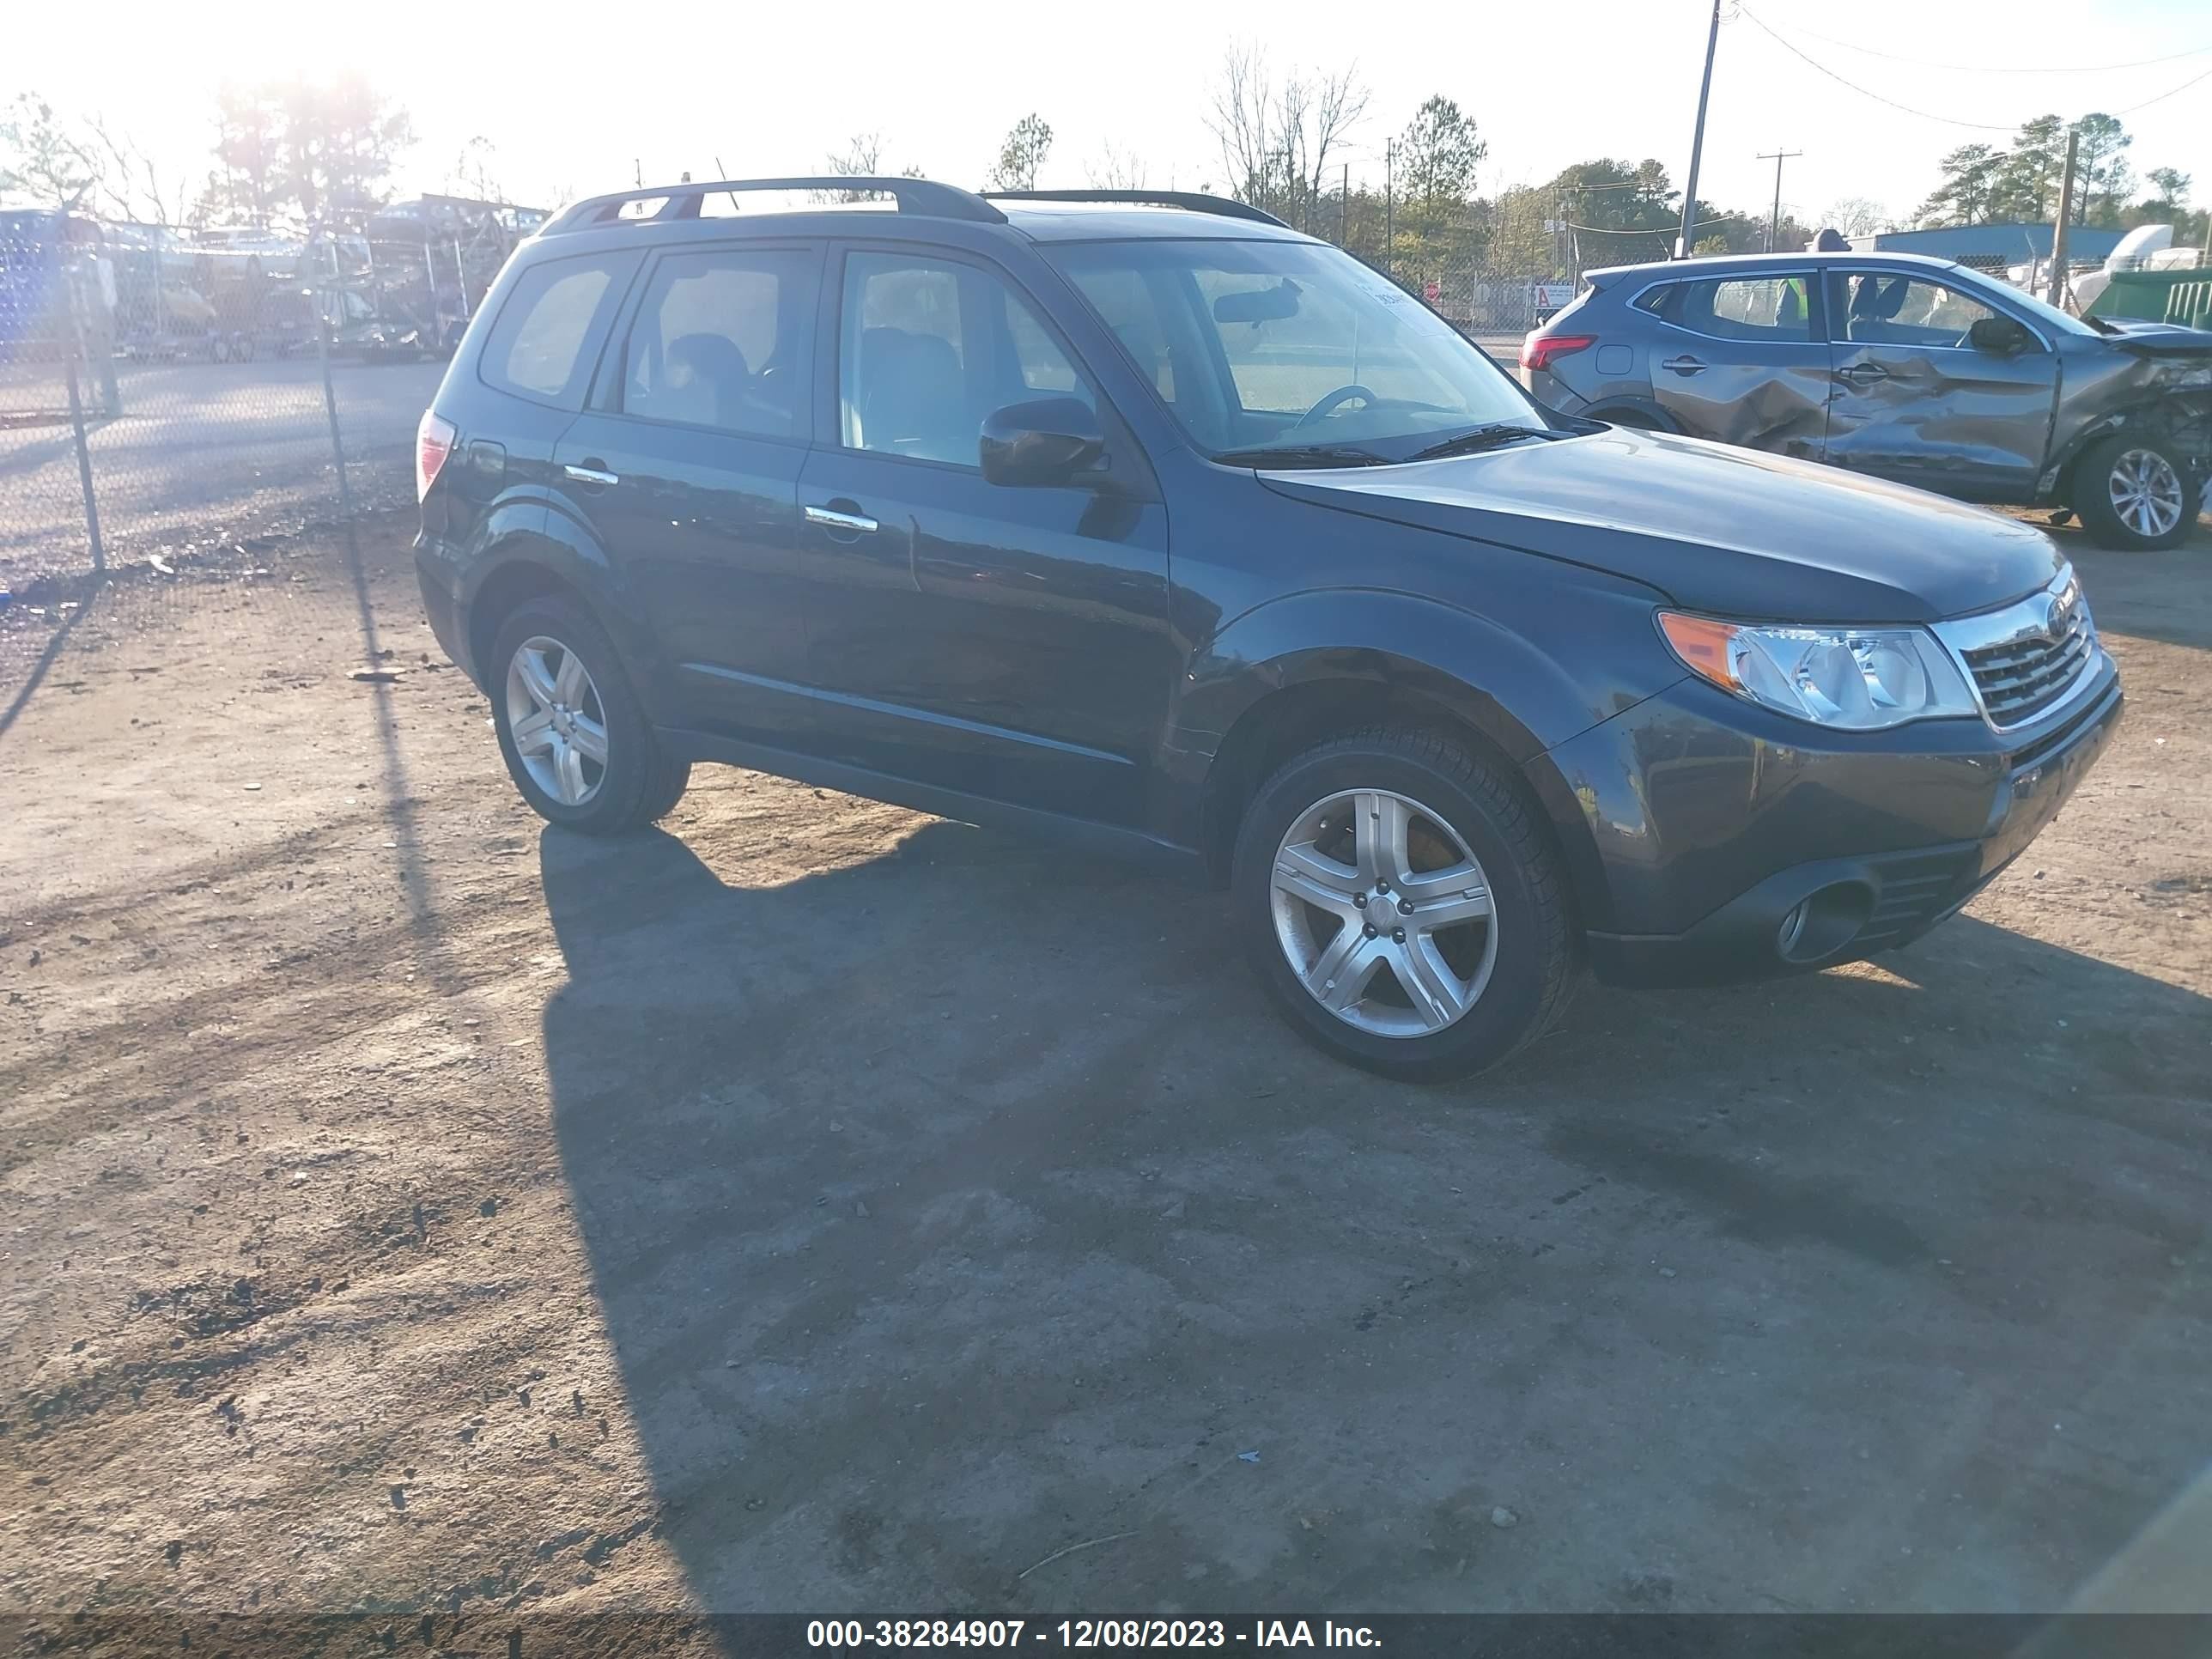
(1492, 673)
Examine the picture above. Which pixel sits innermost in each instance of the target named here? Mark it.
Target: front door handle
(1866, 373)
(832, 519)
(1683, 366)
(594, 472)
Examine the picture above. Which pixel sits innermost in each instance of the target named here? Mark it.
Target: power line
(1997, 69)
(1925, 115)
(2163, 96)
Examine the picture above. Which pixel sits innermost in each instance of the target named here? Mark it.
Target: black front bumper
(1856, 904)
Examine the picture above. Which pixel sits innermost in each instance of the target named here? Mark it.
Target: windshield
(1274, 345)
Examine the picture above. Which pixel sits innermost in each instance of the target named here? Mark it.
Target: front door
(1916, 402)
(1742, 360)
(686, 463)
(1002, 642)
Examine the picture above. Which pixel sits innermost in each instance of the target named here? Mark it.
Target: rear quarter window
(544, 342)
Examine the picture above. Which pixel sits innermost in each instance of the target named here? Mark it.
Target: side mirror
(1048, 440)
(1999, 334)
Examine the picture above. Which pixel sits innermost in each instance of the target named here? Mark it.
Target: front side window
(1266, 343)
(720, 341)
(929, 347)
(1776, 309)
(1884, 308)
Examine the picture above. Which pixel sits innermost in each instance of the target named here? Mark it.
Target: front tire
(1402, 901)
(2135, 492)
(573, 733)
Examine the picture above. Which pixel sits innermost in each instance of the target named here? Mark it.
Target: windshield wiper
(1482, 438)
(1294, 455)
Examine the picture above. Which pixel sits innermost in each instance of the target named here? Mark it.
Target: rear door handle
(594, 473)
(855, 523)
(1866, 373)
(1683, 366)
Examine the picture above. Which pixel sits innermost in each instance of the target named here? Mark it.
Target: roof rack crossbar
(1192, 200)
(683, 200)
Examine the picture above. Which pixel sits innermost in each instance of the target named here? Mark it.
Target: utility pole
(1390, 208)
(1774, 224)
(2057, 293)
(1689, 237)
(1344, 211)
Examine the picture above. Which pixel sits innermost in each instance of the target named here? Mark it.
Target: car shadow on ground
(971, 1235)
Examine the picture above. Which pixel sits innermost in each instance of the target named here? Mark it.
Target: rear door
(1742, 359)
(686, 463)
(1915, 401)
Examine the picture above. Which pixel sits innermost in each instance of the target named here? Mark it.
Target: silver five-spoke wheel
(560, 726)
(1384, 914)
(2146, 492)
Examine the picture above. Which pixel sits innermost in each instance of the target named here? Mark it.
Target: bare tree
(861, 158)
(1857, 216)
(1278, 137)
(130, 184)
(1115, 169)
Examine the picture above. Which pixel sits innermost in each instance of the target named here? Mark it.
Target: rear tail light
(1538, 350)
(433, 441)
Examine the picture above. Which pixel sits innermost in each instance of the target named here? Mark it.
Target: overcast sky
(570, 94)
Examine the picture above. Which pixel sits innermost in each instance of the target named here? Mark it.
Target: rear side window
(540, 346)
(1770, 308)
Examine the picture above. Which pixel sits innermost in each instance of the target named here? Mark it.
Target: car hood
(1716, 529)
(2160, 340)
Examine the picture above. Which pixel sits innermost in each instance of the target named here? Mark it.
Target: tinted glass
(929, 347)
(535, 348)
(720, 341)
(1258, 343)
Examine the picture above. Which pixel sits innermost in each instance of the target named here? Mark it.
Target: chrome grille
(2026, 659)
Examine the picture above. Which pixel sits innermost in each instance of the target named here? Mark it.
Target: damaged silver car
(1912, 369)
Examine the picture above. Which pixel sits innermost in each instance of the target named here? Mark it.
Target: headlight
(1858, 679)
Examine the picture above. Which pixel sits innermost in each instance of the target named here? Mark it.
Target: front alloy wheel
(1384, 914)
(1402, 901)
(2146, 493)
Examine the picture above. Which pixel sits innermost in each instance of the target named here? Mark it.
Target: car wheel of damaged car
(2135, 491)
(1403, 906)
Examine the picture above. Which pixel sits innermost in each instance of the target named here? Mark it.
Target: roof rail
(683, 200)
(1192, 200)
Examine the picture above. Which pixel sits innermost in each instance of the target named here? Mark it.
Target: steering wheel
(1330, 401)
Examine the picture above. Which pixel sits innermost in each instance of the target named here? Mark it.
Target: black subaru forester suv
(1144, 519)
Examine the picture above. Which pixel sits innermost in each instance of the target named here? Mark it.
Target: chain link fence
(161, 401)
(161, 398)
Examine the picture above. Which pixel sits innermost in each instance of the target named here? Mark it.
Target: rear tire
(1486, 985)
(573, 733)
(2134, 492)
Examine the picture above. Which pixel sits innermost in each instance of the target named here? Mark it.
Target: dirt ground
(817, 1206)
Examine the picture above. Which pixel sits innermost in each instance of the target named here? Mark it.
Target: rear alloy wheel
(1404, 905)
(575, 740)
(2134, 491)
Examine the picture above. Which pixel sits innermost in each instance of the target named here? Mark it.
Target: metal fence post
(84, 470)
(331, 407)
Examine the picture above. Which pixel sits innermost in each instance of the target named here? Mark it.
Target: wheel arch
(527, 551)
(1257, 697)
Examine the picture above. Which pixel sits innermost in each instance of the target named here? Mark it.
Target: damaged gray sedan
(1912, 369)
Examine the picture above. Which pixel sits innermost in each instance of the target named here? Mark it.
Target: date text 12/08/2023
(1078, 1633)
